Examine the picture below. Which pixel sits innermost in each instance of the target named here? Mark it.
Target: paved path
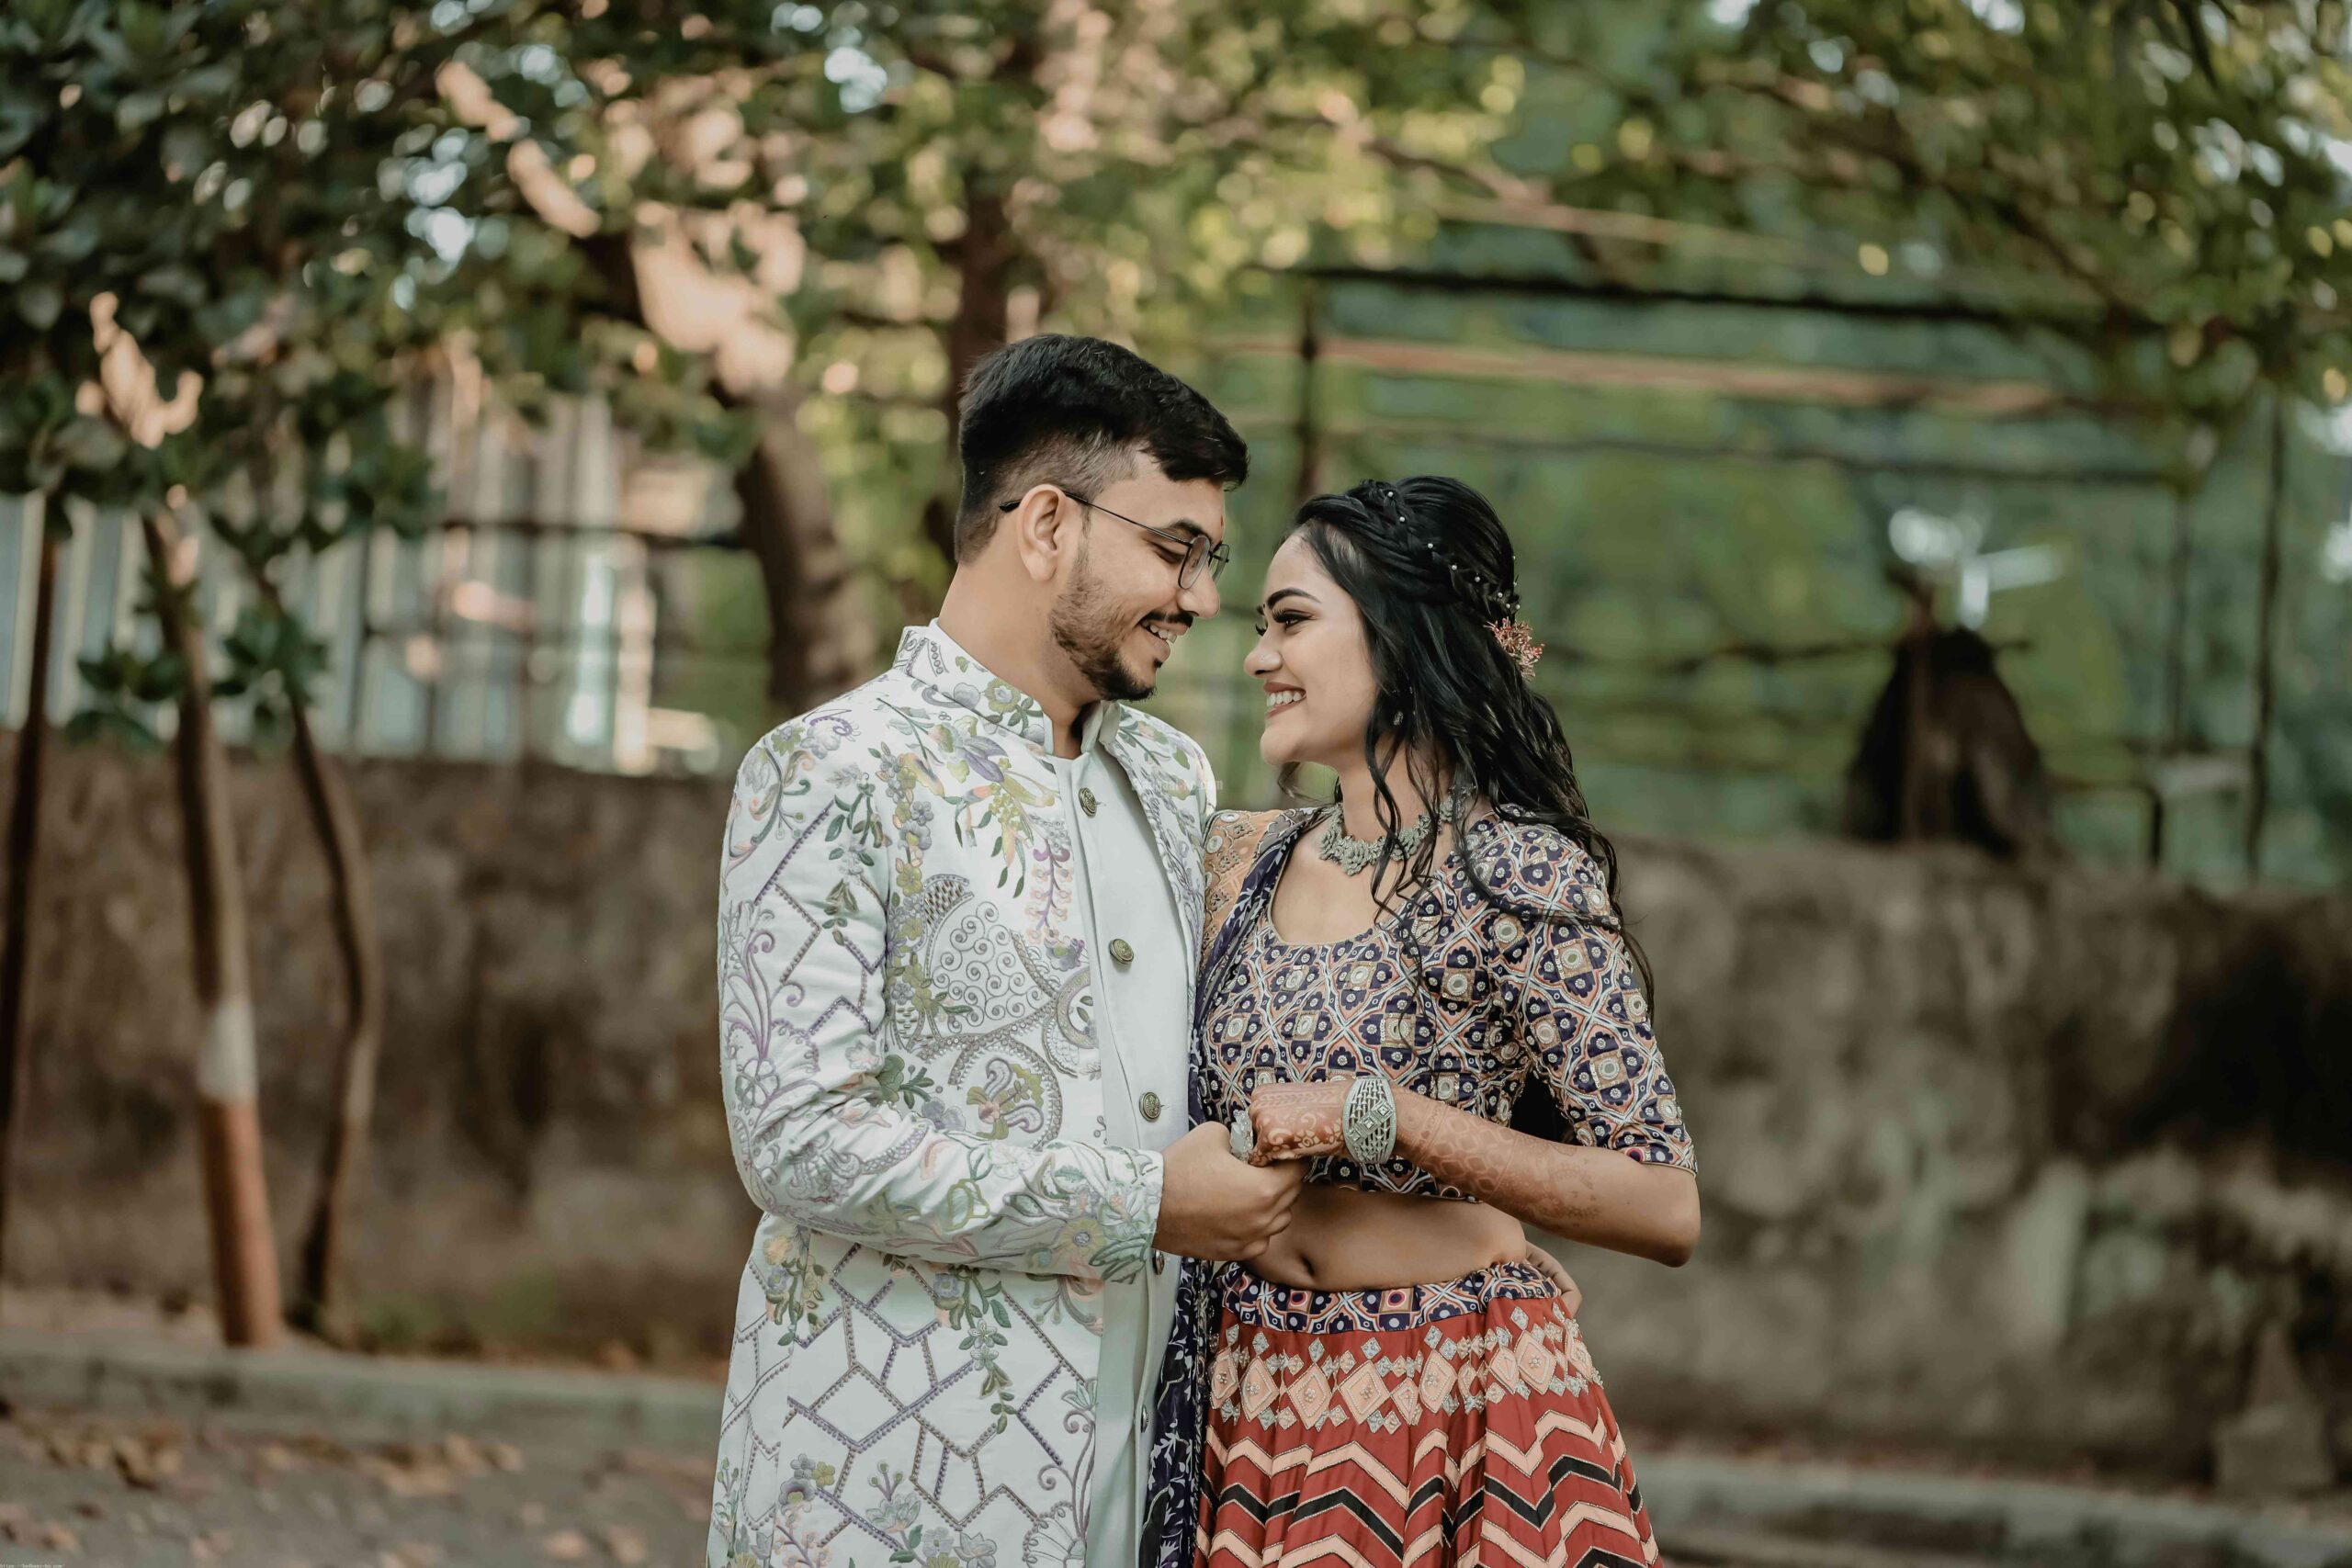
(115, 1451)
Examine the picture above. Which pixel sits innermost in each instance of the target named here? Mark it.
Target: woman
(1392, 982)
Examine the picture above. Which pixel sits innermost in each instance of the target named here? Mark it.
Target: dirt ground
(106, 1492)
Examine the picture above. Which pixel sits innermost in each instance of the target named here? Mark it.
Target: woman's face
(1313, 660)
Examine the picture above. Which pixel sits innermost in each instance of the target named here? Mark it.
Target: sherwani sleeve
(830, 1127)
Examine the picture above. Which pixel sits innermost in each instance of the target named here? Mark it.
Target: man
(958, 915)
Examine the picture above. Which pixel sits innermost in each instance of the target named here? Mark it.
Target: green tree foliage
(2163, 181)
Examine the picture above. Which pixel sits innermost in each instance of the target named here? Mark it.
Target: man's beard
(1090, 630)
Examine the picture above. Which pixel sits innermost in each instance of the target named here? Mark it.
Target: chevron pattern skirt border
(1458, 1423)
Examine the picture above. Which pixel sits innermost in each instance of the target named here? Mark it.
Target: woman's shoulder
(1232, 832)
(1229, 849)
(1540, 866)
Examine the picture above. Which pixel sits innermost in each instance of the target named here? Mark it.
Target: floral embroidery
(913, 1092)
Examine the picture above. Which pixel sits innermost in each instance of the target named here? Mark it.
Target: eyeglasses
(1198, 548)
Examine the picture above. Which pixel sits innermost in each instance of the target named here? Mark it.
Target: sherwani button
(1085, 801)
(1150, 1106)
(1120, 953)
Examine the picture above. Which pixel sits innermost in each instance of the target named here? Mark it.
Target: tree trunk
(2265, 613)
(819, 635)
(985, 256)
(336, 821)
(244, 1257)
(24, 849)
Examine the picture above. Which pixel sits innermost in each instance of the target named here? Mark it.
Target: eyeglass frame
(1188, 570)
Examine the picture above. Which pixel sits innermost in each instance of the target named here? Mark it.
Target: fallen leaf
(565, 1546)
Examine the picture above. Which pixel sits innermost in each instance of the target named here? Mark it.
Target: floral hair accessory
(1520, 643)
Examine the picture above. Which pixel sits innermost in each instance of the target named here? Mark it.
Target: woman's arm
(1568, 989)
(1597, 1196)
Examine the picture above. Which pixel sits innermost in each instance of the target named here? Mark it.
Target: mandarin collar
(941, 666)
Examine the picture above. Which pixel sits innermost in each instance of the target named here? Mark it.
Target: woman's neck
(1359, 798)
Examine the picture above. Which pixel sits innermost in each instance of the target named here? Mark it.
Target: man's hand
(1212, 1205)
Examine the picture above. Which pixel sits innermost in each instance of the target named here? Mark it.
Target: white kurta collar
(942, 667)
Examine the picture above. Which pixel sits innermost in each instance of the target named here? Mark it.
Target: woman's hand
(1552, 1268)
(1298, 1121)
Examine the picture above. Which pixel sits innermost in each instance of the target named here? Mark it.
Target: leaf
(41, 303)
(174, 281)
(91, 444)
(138, 110)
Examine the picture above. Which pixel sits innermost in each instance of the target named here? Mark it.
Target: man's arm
(831, 1129)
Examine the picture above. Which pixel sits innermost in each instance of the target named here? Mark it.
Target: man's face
(1121, 609)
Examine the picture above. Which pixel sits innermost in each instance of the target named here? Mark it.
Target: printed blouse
(1536, 984)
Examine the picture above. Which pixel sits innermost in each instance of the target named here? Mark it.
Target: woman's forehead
(1296, 565)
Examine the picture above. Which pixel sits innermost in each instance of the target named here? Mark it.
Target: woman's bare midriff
(1343, 1239)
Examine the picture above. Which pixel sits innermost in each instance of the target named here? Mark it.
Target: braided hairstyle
(1433, 576)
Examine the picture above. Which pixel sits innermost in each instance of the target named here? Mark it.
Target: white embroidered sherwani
(953, 1031)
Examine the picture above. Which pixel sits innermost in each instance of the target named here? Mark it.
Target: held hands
(1212, 1205)
(1298, 1121)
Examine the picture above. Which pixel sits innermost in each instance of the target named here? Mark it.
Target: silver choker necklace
(1355, 856)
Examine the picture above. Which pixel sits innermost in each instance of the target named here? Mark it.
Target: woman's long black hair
(1432, 574)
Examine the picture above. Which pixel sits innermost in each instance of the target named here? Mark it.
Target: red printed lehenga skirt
(1458, 1423)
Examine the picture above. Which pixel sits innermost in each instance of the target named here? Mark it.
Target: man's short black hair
(1074, 412)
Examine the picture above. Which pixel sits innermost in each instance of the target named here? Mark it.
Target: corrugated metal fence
(525, 623)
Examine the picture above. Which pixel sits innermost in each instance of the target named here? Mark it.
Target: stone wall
(2009, 1161)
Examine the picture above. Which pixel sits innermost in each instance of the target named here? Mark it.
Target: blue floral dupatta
(1179, 1416)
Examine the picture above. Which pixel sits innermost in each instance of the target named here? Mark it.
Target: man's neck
(1012, 651)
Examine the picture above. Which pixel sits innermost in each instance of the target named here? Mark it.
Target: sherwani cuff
(1132, 1219)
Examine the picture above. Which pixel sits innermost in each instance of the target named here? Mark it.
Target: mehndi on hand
(1298, 1121)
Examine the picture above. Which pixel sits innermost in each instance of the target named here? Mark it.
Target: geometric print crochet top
(1501, 1000)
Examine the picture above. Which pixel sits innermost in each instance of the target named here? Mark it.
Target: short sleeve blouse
(1483, 995)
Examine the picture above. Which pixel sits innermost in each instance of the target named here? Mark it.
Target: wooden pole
(2266, 675)
(1310, 428)
(24, 852)
(244, 1255)
(2176, 734)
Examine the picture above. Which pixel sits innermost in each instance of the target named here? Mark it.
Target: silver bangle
(1368, 1119)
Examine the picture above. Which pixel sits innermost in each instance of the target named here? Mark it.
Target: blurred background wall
(2023, 1163)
